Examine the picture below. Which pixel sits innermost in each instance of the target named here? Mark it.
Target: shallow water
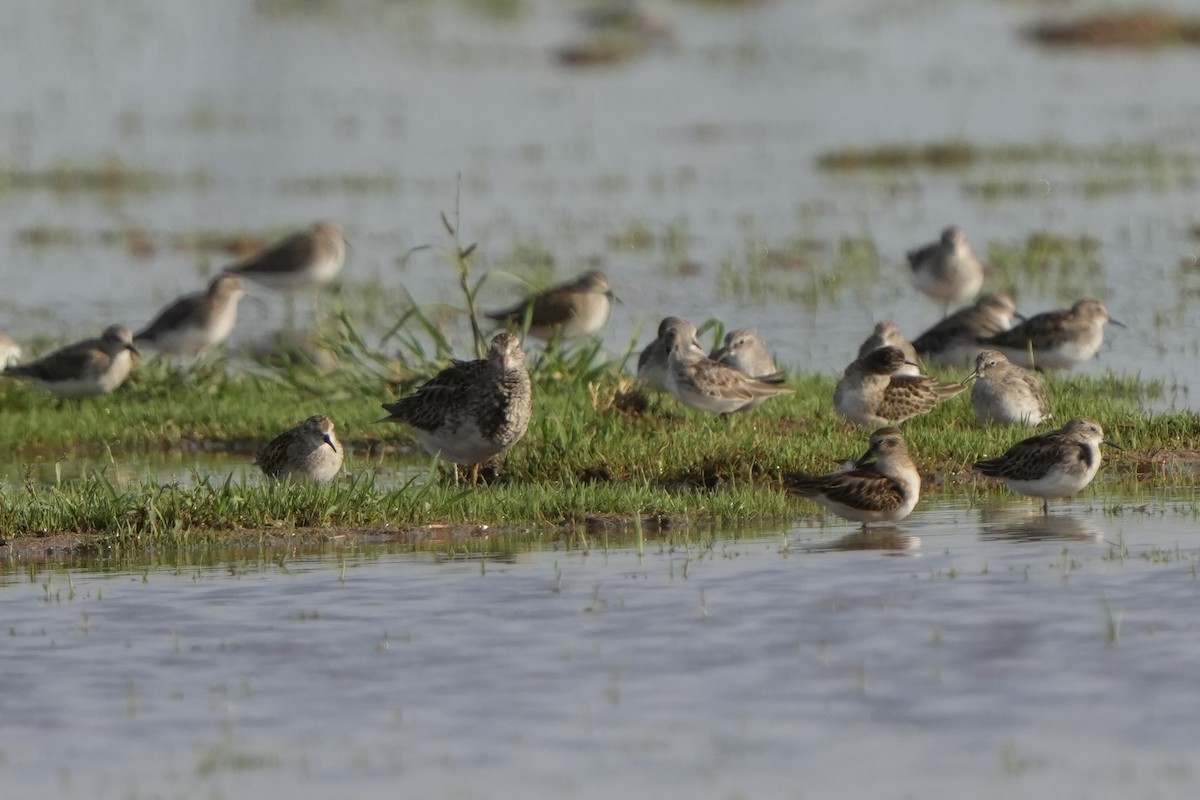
(1002, 653)
(366, 112)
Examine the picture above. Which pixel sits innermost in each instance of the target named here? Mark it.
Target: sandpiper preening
(472, 410)
(303, 260)
(1055, 339)
(947, 270)
(743, 350)
(10, 351)
(1054, 464)
(954, 342)
(882, 486)
(569, 310)
(871, 394)
(706, 385)
(310, 451)
(195, 323)
(1005, 394)
(89, 367)
(889, 333)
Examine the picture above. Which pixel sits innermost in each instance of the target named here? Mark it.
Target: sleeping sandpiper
(882, 486)
(1055, 339)
(90, 367)
(886, 333)
(472, 410)
(310, 451)
(195, 323)
(706, 385)
(1054, 464)
(947, 270)
(569, 310)
(870, 392)
(954, 342)
(1005, 394)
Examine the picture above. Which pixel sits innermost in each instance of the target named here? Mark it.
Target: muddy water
(981, 652)
(264, 116)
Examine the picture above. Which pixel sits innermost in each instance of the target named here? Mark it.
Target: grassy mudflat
(599, 452)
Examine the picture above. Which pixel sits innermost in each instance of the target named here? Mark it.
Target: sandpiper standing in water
(706, 385)
(310, 451)
(472, 410)
(954, 342)
(570, 310)
(947, 270)
(90, 367)
(1058, 339)
(889, 333)
(1054, 464)
(1005, 394)
(882, 486)
(195, 323)
(870, 392)
(306, 260)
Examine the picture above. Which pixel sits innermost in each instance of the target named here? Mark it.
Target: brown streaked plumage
(197, 322)
(90, 367)
(1005, 394)
(883, 486)
(871, 394)
(307, 259)
(1054, 464)
(706, 385)
(1058, 339)
(309, 451)
(472, 410)
(954, 342)
(888, 332)
(573, 309)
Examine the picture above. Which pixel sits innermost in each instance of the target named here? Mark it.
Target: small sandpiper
(304, 260)
(871, 394)
(310, 451)
(947, 270)
(652, 363)
(195, 323)
(882, 486)
(886, 333)
(954, 342)
(10, 351)
(1054, 464)
(706, 385)
(743, 350)
(472, 410)
(569, 310)
(1005, 394)
(1058, 339)
(90, 367)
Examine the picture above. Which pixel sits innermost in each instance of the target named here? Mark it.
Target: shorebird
(954, 342)
(706, 385)
(89, 367)
(1054, 464)
(10, 351)
(1005, 394)
(472, 410)
(1058, 339)
(652, 363)
(310, 451)
(882, 486)
(886, 333)
(870, 392)
(195, 323)
(743, 350)
(571, 310)
(947, 270)
(304, 260)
